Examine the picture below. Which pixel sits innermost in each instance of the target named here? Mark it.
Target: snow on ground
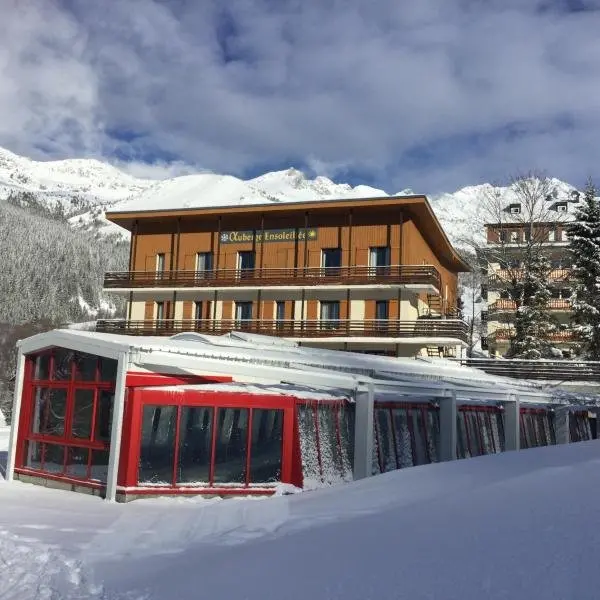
(517, 525)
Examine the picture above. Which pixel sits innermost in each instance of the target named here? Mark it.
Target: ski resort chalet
(126, 417)
(374, 275)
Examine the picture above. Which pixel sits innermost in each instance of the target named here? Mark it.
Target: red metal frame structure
(537, 427)
(480, 436)
(130, 482)
(64, 427)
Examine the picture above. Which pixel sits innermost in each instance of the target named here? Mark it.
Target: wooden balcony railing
(554, 304)
(420, 275)
(507, 275)
(556, 336)
(427, 328)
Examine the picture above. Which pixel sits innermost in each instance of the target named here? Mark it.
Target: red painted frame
(130, 455)
(66, 441)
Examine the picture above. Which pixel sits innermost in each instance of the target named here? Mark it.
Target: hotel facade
(373, 275)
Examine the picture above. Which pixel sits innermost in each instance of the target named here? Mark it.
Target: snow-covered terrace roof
(262, 359)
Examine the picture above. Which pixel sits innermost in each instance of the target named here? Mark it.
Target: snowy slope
(519, 525)
(93, 182)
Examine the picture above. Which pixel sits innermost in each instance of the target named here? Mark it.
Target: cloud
(431, 95)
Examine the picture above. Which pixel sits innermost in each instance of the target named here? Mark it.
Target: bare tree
(469, 291)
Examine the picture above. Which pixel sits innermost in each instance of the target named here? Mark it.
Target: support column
(512, 423)
(16, 417)
(448, 434)
(116, 431)
(562, 429)
(363, 430)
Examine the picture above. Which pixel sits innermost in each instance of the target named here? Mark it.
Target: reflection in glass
(85, 366)
(54, 458)
(265, 451)
(42, 367)
(311, 471)
(50, 411)
(77, 459)
(83, 409)
(157, 449)
(230, 446)
(104, 410)
(99, 465)
(195, 444)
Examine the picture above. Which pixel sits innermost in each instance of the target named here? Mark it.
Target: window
(330, 314)
(68, 433)
(243, 313)
(379, 256)
(331, 260)
(160, 263)
(381, 313)
(551, 235)
(245, 262)
(204, 264)
(562, 207)
(198, 306)
(515, 209)
(210, 446)
(563, 235)
(280, 313)
(514, 237)
(160, 311)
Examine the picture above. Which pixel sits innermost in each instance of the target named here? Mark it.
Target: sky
(430, 95)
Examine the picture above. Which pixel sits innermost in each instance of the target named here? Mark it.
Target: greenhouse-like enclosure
(242, 414)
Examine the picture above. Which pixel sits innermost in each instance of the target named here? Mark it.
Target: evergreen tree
(533, 323)
(584, 238)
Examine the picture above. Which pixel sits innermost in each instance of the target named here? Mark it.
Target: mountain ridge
(99, 186)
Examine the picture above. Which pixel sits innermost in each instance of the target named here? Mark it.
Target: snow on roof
(266, 354)
(281, 389)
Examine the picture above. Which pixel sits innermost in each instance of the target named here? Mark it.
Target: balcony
(419, 276)
(501, 335)
(505, 305)
(503, 276)
(450, 329)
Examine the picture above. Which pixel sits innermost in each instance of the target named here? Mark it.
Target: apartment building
(543, 226)
(373, 275)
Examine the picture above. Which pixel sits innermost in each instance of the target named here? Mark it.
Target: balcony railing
(427, 328)
(556, 336)
(507, 275)
(554, 304)
(421, 275)
(558, 370)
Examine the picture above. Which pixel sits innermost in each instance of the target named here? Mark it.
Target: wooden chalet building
(374, 275)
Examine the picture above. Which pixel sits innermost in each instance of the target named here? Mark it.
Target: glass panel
(157, 451)
(265, 449)
(85, 366)
(332, 461)
(420, 446)
(33, 458)
(386, 440)
(203, 262)
(346, 419)
(108, 370)
(403, 441)
(99, 465)
(54, 458)
(104, 409)
(195, 444)
(42, 367)
(230, 447)
(50, 409)
(311, 471)
(331, 258)
(433, 434)
(83, 409)
(62, 364)
(198, 310)
(462, 449)
(246, 260)
(330, 314)
(77, 459)
(243, 311)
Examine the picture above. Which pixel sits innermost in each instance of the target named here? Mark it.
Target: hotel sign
(268, 235)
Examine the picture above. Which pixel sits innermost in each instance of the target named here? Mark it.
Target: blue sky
(432, 95)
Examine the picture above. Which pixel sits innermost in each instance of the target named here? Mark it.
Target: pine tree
(533, 323)
(584, 238)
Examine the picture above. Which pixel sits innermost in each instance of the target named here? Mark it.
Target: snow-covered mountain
(75, 184)
(85, 188)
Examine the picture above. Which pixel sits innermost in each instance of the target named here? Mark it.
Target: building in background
(373, 275)
(539, 227)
